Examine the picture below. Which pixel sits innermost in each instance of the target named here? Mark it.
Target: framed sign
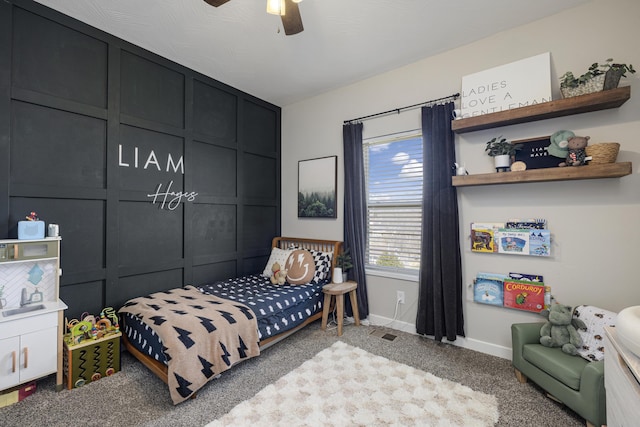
(518, 84)
(317, 187)
(534, 153)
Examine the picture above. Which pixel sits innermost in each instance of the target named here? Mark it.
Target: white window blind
(393, 171)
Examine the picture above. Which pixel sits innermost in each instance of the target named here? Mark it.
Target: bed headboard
(316, 244)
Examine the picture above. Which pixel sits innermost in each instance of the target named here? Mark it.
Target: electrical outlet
(400, 297)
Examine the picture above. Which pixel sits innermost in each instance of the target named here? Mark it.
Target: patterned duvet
(277, 309)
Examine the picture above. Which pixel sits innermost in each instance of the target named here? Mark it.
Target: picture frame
(318, 187)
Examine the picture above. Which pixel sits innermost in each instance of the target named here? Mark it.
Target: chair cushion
(562, 366)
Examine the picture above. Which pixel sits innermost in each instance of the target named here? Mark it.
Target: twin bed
(188, 336)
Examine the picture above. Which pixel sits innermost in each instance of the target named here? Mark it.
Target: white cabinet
(31, 319)
(28, 349)
(621, 381)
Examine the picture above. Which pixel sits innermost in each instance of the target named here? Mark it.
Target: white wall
(594, 223)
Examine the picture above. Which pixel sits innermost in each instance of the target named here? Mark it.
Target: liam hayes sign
(166, 197)
(518, 84)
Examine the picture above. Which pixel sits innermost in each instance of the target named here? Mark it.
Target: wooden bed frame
(160, 369)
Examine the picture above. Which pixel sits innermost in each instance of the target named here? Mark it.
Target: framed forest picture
(317, 187)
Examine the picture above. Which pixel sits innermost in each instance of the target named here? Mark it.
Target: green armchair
(572, 380)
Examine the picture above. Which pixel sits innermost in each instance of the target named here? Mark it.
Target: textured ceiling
(344, 40)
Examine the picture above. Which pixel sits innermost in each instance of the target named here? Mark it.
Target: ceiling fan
(287, 9)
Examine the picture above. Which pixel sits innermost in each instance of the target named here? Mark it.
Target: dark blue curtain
(440, 286)
(355, 213)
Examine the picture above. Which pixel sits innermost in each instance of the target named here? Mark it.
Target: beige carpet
(347, 386)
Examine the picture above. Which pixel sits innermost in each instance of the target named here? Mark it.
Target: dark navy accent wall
(94, 131)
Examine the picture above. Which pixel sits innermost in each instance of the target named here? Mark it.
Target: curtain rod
(398, 110)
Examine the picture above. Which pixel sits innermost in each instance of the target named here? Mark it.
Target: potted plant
(343, 265)
(613, 73)
(597, 78)
(501, 150)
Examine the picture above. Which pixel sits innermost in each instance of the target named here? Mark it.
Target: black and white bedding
(278, 308)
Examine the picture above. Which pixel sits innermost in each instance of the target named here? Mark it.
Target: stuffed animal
(576, 156)
(279, 276)
(561, 329)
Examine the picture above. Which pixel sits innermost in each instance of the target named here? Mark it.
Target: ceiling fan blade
(216, 3)
(292, 21)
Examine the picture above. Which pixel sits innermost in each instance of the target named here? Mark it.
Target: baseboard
(469, 343)
(393, 324)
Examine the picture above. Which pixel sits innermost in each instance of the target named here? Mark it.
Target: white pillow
(277, 255)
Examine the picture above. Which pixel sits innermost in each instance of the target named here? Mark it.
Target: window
(393, 174)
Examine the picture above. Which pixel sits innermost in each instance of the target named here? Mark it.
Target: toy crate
(16, 394)
(91, 360)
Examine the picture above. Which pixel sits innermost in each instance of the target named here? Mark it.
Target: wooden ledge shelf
(610, 170)
(562, 107)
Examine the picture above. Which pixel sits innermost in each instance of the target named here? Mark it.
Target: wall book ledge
(603, 100)
(608, 170)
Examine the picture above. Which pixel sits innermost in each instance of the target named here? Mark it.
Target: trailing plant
(614, 67)
(499, 146)
(568, 80)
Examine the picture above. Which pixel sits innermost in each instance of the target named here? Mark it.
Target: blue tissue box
(29, 230)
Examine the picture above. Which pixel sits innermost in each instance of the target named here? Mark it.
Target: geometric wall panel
(261, 134)
(214, 229)
(260, 177)
(259, 226)
(214, 170)
(153, 187)
(58, 61)
(57, 148)
(142, 284)
(214, 113)
(209, 273)
(82, 297)
(151, 91)
(148, 235)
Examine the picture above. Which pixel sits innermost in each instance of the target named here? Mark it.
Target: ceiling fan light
(276, 7)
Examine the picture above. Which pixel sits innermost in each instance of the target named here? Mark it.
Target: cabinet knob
(13, 361)
(26, 357)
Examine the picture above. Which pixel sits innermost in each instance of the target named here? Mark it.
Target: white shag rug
(346, 386)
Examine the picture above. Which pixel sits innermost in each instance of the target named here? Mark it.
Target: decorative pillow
(593, 338)
(300, 267)
(277, 255)
(322, 261)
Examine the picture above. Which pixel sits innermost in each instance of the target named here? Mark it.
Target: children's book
(488, 288)
(539, 279)
(483, 236)
(539, 242)
(523, 295)
(537, 223)
(512, 241)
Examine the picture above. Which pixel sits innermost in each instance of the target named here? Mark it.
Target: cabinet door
(9, 362)
(38, 354)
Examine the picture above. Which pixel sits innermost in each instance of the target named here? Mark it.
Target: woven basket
(604, 152)
(596, 84)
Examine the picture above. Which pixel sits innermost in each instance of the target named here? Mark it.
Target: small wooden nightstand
(338, 290)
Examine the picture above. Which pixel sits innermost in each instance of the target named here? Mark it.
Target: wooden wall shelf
(562, 107)
(610, 170)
